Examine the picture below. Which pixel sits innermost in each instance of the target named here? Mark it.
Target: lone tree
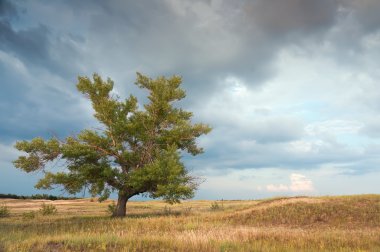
(136, 151)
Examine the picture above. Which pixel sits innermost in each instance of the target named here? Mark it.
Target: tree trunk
(121, 206)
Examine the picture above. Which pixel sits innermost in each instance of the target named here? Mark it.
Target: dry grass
(282, 224)
(343, 212)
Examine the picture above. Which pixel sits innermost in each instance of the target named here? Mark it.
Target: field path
(278, 202)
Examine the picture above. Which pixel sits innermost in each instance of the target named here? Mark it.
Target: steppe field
(344, 223)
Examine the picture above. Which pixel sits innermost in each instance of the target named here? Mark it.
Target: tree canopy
(136, 151)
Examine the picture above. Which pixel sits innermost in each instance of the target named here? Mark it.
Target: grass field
(346, 223)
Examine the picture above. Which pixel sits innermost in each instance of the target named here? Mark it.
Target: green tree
(136, 151)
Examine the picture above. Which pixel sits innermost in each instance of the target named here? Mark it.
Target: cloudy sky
(290, 87)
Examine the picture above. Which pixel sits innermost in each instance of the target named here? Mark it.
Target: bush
(4, 211)
(48, 209)
(111, 208)
(215, 206)
(29, 215)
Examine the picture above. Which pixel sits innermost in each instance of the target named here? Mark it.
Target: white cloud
(334, 127)
(8, 153)
(298, 183)
(13, 63)
(277, 188)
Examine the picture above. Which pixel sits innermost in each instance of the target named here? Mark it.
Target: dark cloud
(365, 13)
(35, 45)
(29, 112)
(44, 46)
(7, 9)
(205, 41)
(30, 44)
(280, 18)
(155, 37)
(238, 154)
(346, 40)
(275, 130)
(225, 39)
(33, 103)
(38, 79)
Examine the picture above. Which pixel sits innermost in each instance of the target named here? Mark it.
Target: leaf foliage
(137, 150)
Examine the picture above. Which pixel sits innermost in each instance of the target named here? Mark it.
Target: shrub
(48, 209)
(215, 206)
(29, 215)
(4, 211)
(111, 208)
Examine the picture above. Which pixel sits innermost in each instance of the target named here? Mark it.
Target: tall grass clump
(28, 215)
(215, 206)
(4, 211)
(48, 209)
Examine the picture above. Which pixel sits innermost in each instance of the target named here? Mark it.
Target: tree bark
(121, 206)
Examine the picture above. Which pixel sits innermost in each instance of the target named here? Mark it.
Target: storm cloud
(289, 86)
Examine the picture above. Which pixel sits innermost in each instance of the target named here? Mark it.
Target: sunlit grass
(282, 224)
(345, 212)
